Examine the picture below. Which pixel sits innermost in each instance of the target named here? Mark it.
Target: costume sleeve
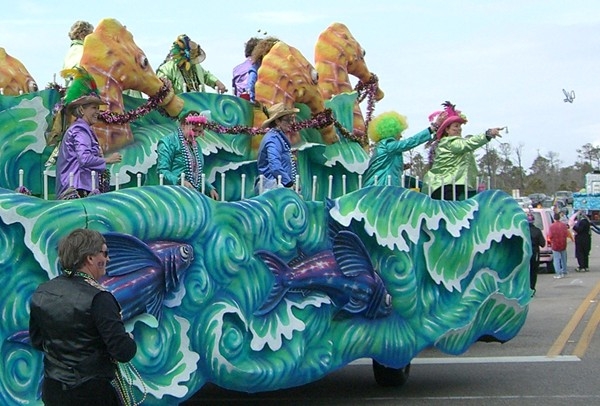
(165, 163)
(209, 78)
(86, 156)
(35, 333)
(405, 144)
(107, 317)
(461, 145)
(252, 78)
(275, 160)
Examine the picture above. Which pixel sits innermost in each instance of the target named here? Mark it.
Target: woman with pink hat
(451, 157)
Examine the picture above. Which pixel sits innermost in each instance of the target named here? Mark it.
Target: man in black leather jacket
(78, 326)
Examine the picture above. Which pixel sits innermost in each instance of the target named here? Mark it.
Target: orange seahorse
(115, 61)
(286, 76)
(14, 77)
(338, 55)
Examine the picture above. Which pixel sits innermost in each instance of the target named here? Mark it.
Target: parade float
(254, 293)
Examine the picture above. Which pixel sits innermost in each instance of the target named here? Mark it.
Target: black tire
(388, 377)
(550, 267)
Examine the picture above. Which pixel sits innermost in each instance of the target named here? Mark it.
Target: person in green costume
(180, 153)
(453, 173)
(387, 161)
(182, 67)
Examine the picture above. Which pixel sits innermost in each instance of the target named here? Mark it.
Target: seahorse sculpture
(286, 76)
(14, 77)
(115, 61)
(337, 56)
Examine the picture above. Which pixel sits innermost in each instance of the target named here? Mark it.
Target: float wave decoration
(211, 329)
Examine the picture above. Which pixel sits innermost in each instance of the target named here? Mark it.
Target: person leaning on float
(180, 153)
(182, 67)
(79, 152)
(451, 156)
(386, 131)
(275, 158)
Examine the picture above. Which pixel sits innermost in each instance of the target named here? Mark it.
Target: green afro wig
(387, 125)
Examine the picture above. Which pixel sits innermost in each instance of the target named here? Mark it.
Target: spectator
(79, 152)
(453, 173)
(180, 153)
(557, 235)
(182, 67)
(583, 242)
(537, 241)
(245, 74)
(77, 324)
(275, 151)
(387, 160)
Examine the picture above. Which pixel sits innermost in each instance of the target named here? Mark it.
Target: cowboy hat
(276, 111)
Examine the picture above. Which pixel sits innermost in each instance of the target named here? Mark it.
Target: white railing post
(45, 184)
(243, 192)
(222, 186)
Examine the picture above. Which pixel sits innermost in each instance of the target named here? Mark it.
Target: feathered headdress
(185, 52)
(443, 118)
(82, 90)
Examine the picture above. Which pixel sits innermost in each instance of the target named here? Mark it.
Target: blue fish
(344, 273)
(139, 275)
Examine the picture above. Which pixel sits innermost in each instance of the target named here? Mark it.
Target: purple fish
(140, 274)
(344, 273)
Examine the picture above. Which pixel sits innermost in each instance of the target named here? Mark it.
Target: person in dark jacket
(583, 242)
(537, 241)
(78, 326)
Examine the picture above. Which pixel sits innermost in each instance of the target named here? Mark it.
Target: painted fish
(344, 273)
(139, 275)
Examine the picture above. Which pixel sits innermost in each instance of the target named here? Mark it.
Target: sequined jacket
(275, 158)
(454, 162)
(170, 71)
(387, 158)
(172, 162)
(79, 154)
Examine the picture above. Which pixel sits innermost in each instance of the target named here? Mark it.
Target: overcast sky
(501, 62)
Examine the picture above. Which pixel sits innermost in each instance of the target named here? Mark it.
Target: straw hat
(276, 111)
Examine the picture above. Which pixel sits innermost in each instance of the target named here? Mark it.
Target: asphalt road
(554, 360)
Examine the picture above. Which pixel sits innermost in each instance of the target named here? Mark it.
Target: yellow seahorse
(338, 55)
(286, 76)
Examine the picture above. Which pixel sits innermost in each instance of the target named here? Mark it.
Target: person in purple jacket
(80, 153)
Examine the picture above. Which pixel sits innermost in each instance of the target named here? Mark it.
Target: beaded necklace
(193, 164)
(89, 279)
(192, 83)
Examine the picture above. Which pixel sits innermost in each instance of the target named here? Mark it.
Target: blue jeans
(559, 259)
